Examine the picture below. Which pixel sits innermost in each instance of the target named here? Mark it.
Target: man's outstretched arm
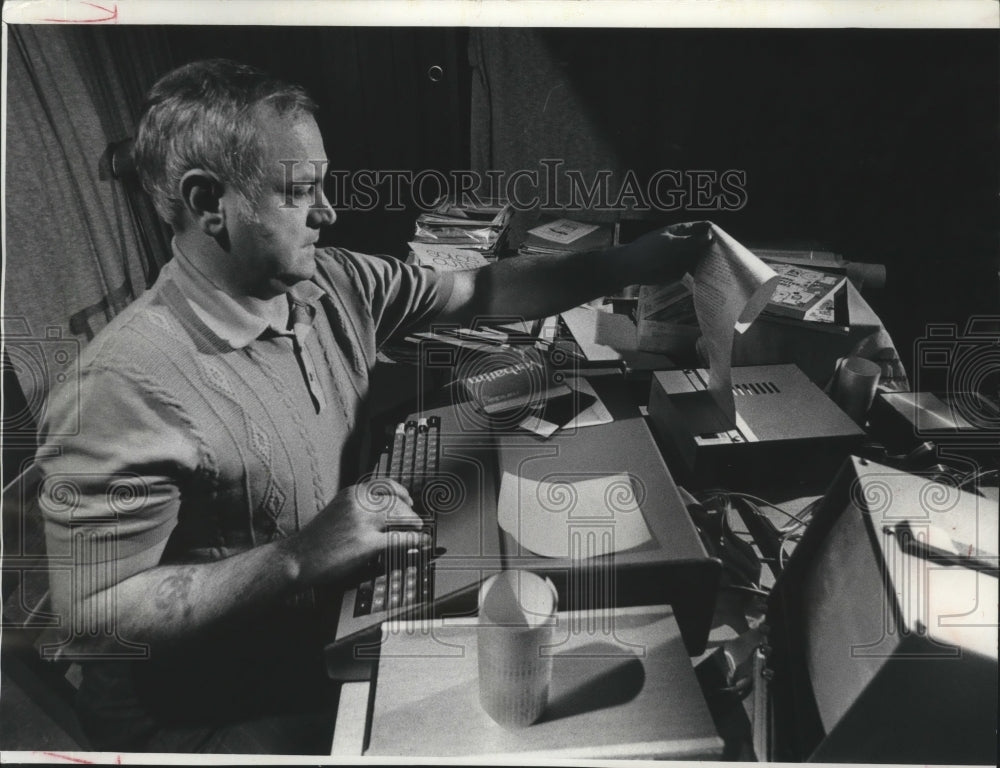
(538, 286)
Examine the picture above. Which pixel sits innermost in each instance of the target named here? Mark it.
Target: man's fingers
(388, 485)
(380, 494)
(397, 539)
(402, 516)
(696, 232)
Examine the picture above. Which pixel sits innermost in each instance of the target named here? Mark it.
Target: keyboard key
(396, 462)
(420, 461)
(363, 600)
(409, 454)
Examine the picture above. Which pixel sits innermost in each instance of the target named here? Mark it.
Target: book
(486, 239)
(822, 260)
(566, 236)
(476, 213)
(445, 258)
(514, 386)
(805, 294)
(474, 225)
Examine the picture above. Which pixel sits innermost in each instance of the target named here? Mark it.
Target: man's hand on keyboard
(361, 521)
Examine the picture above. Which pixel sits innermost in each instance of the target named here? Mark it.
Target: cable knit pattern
(295, 412)
(227, 441)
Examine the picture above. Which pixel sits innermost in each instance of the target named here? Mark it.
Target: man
(214, 477)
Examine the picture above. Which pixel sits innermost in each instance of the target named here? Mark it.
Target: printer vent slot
(756, 388)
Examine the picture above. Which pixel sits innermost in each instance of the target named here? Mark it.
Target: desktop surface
(622, 687)
(672, 566)
(370, 716)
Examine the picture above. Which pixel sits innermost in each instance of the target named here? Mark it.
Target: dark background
(880, 145)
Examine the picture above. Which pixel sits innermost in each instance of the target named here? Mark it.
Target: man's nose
(321, 213)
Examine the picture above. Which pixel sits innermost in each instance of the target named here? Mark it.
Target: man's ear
(202, 192)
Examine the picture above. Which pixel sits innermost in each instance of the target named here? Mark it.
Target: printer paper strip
(731, 286)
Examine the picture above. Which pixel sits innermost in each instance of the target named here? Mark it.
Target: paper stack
(445, 258)
(474, 225)
(665, 318)
(566, 236)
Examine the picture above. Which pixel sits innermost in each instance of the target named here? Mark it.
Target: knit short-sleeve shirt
(196, 431)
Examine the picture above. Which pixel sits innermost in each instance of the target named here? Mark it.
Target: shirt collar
(226, 317)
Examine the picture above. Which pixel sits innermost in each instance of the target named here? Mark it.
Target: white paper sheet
(731, 286)
(596, 413)
(446, 258)
(563, 231)
(606, 337)
(582, 323)
(582, 518)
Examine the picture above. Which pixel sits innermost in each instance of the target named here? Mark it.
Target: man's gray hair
(200, 116)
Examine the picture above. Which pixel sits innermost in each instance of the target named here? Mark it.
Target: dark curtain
(79, 245)
(588, 99)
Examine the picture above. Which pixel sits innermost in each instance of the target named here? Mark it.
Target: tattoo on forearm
(173, 593)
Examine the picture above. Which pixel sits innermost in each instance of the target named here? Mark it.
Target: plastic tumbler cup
(516, 619)
(857, 379)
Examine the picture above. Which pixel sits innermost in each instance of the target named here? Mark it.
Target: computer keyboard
(398, 577)
(414, 458)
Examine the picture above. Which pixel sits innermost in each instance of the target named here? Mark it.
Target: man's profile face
(276, 244)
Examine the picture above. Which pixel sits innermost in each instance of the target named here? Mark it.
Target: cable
(973, 478)
(738, 558)
(757, 500)
(804, 516)
(755, 590)
(782, 555)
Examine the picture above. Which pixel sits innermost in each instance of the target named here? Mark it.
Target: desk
(622, 687)
(350, 733)
(673, 568)
(354, 721)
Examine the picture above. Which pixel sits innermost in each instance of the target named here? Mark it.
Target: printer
(783, 421)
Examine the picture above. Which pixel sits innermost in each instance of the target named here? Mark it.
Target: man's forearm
(170, 603)
(538, 286)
